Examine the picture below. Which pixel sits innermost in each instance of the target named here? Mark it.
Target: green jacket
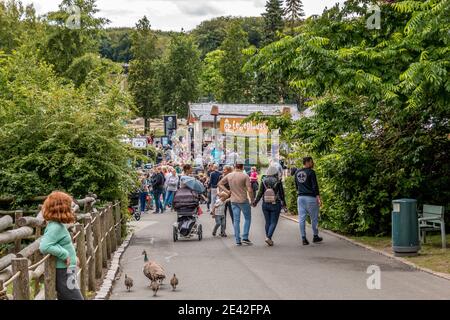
(57, 242)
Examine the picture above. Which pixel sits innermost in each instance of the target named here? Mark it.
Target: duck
(152, 270)
(128, 283)
(174, 282)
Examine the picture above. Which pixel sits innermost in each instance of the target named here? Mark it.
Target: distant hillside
(209, 35)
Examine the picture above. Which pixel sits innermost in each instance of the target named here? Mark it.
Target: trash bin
(405, 228)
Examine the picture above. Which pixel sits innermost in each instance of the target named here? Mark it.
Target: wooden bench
(432, 219)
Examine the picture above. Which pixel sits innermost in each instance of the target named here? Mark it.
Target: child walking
(57, 211)
(218, 213)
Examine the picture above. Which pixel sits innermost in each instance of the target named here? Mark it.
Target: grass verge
(431, 255)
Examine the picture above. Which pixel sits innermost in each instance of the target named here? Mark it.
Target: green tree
(294, 12)
(180, 76)
(143, 74)
(379, 100)
(235, 80)
(273, 21)
(18, 25)
(56, 137)
(91, 66)
(211, 80)
(66, 40)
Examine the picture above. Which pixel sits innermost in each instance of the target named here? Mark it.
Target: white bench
(432, 219)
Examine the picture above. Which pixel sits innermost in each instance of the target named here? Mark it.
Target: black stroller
(186, 204)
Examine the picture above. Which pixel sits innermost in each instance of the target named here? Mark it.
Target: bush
(291, 195)
(53, 136)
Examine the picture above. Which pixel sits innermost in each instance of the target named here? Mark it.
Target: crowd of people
(231, 192)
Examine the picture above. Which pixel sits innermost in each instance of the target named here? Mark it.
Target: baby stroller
(186, 204)
(133, 205)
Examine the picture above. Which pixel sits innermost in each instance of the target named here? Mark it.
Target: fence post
(104, 238)
(106, 233)
(21, 285)
(118, 224)
(90, 254)
(50, 278)
(81, 254)
(112, 234)
(97, 243)
(3, 295)
(18, 242)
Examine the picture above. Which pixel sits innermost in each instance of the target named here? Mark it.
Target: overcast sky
(176, 14)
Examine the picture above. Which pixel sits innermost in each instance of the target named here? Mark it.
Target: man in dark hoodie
(309, 201)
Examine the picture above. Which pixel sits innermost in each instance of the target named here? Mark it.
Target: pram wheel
(200, 233)
(175, 234)
(137, 215)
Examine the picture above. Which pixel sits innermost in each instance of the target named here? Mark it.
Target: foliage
(380, 122)
(91, 66)
(210, 34)
(294, 12)
(235, 80)
(17, 24)
(63, 44)
(144, 68)
(211, 81)
(180, 76)
(291, 195)
(273, 21)
(53, 136)
(115, 44)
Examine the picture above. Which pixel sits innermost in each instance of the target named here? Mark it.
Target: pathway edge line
(386, 254)
(105, 290)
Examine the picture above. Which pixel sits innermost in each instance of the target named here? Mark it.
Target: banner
(236, 126)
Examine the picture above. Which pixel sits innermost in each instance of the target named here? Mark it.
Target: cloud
(198, 9)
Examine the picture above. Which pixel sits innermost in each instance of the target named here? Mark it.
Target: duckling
(128, 283)
(174, 282)
(155, 287)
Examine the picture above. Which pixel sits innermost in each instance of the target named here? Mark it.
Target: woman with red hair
(57, 211)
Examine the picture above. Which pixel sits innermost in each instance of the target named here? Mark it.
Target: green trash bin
(405, 228)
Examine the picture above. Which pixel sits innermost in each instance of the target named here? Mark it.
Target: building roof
(202, 111)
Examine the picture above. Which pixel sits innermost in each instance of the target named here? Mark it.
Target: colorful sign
(236, 126)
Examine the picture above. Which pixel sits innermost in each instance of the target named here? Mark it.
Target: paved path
(216, 269)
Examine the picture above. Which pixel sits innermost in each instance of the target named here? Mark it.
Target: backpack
(185, 200)
(269, 195)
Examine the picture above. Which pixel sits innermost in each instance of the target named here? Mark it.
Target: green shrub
(291, 195)
(54, 136)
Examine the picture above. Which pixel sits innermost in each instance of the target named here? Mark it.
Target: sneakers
(317, 239)
(269, 242)
(247, 242)
(223, 235)
(238, 244)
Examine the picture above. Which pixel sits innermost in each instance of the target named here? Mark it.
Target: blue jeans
(157, 195)
(169, 198)
(143, 201)
(271, 215)
(246, 211)
(308, 206)
(220, 223)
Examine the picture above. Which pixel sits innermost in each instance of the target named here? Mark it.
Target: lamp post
(215, 113)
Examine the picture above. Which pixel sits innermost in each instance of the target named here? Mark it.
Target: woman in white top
(172, 183)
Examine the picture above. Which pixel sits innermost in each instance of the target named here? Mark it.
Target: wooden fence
(32, 276)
